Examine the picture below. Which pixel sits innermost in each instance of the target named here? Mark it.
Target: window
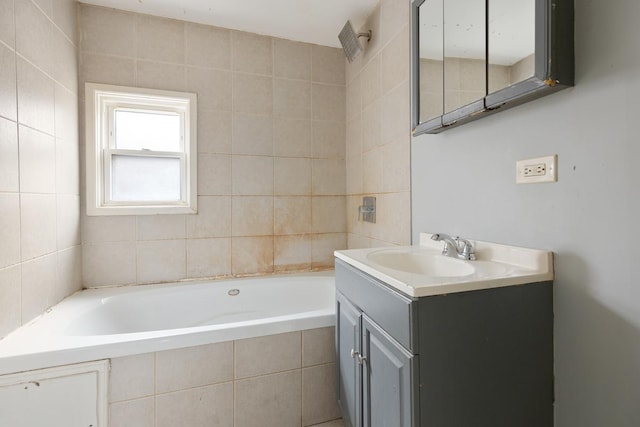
(141, 151)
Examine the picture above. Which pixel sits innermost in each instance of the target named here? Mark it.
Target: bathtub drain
(233, 292)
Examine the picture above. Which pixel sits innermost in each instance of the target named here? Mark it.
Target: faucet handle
(467, 251)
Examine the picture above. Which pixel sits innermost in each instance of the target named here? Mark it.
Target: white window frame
(101, 102)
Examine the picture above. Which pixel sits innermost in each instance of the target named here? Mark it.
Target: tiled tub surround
(271, 149)
(378, 130)
(284, 380)
(40, 252)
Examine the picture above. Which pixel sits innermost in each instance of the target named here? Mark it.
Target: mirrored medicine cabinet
(472, 58)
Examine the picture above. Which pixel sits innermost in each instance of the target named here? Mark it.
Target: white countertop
(496, 266)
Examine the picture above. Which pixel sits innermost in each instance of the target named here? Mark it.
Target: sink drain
(233, 292)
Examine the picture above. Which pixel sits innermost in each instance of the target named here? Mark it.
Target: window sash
(107, 159)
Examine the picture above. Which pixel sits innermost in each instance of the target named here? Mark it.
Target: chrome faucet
(455, 246)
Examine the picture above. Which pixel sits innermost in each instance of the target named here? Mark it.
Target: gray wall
(463, 182)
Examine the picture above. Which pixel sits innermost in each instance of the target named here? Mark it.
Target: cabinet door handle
(356, 355)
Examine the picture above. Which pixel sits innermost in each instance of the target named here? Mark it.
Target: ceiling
(311, 21)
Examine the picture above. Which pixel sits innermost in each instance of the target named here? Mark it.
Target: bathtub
(105, 323)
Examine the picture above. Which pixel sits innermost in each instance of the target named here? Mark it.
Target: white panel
(70, 396)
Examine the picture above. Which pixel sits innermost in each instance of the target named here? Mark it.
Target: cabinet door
(387, 372)
(348, 326)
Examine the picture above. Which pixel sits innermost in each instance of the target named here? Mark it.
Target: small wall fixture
(367, 211)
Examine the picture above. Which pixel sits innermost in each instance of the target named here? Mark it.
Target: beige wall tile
(7, 22)
(213, 218)
(208, 257)
(353, 145)
(98, 229)
(323, 246)
(372, 47)
(35, 98)
(9, 171)
(328, 177)
(292, 98)
(107, 31)
(108, 264)
(328, 102)
(10, 299)
(292, 176)
(354, 175)
(292, 137)
(334, 423)
(65, 16)
(133, 413)
(394, 14)
(328, 139)
(252, 216)
(251, 53)
(252, 134)
(291, 59)
(371, 82)
(37, 161)
(371, 167)
(207, 46)
(371, 125)
(161, 260)
(210, 406)
(34, 35)
(252, 94)
(8, 100)
(160, 227)
(158, 75)
(252, 255)
(292, 252)
(292, 215)
(328, 65)
(252, 175)
(160, 39)
(395, 60)
(318, 346)
(194, 366)
(269, 401)
(69, 273)
(37, 225)
(68, 221)
(38, 283)
(328, 214)
(97, 68)
(318, 388)
(212, 86)
(66, 116)
(356, 241)
(396, 176)
(395, 115)
(353, 100)
(214, 174)
(131, 377)
(214, 131)
(267, 354)
(65, 62)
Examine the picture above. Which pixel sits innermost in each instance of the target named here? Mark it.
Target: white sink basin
(422, 270)
(428, 263)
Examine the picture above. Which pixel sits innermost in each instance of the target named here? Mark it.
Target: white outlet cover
(551, 166)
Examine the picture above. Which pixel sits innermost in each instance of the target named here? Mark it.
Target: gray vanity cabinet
(469, 359)
(375, 371)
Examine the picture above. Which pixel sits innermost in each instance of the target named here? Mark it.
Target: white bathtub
(104, 323)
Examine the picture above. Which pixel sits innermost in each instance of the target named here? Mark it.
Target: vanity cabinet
(479, 358)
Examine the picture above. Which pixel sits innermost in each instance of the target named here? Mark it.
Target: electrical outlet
(540, 169)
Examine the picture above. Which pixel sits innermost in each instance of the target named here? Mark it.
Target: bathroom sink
(422, 269)
(428, 263)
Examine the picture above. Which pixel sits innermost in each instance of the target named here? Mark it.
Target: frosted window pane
(145, 178)
(137, 130)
